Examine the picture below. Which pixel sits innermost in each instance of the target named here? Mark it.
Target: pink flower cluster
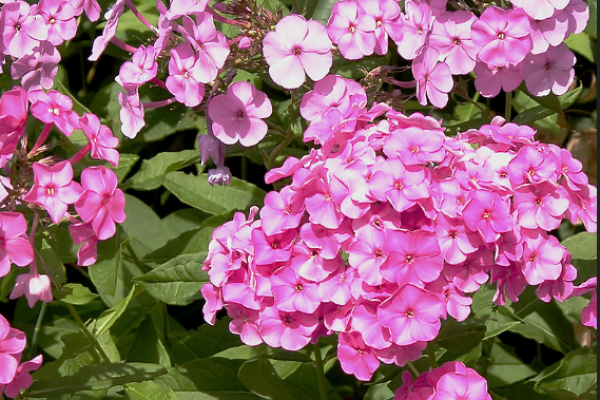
(503, 46)
(389, 225)
(31, 33)
(14, 375)
(451, 381)
(96, 200)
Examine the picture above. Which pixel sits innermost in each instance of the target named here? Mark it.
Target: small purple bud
(244, 43)
(220, 176)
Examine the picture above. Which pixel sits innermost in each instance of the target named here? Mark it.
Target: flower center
(378, 253)
(533, 258)
(275, 245)
(538, 203)
(299, 287)
(240, 114)
(379, 23)
(50, 190)
(296, 51)
(409, 259)
(186, 74)
(52, 21)
(453, 233)
(486, 214)
(548, 66)
(287, 320)
(410, 313)
(501, 35)
(351, 28)
(457, 41)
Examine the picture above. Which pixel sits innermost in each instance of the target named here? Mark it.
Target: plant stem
(320, 372)
(475, 99)
(508, 108)
(582, 396)
(431, 356)
(36, 330)
(86, 331)
(280, 147)
(413, 368)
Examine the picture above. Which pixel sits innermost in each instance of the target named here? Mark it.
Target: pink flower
(282, 211)
(550, 71)
(35, 288)
(356, 357)
(180, 8)
(87, 253)
(542, 256)
(292, 293)
(541, 205)
(489, 214)
(141, 69)
(412, 314)
(541, 9)
(22, 31)
(181, 81)
(289, 330)
(388, 22)
(464, 384)
(491, 80)
(12, 344)
(502, 35)
(101, 139)
(110, 29)
(294, 47)
(237, 115)
(54, 107)
(433, 78)
(417, 23)
(38, 69)
(91, 7)
(22, 378)
(101, 203)
(60, 20)
(352, 30)
(54, 189)
(131, 114)
(14, 245)
(451, 36)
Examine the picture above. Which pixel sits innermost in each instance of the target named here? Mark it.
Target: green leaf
(592, 25)
(126, 162)
(152, 171)
(575, 373)
(583, 246)
(74, 293)
(53, 262)
(462, 337)
(143, 226)
(528, 108)
(110, 316)
(322, 10)
(260, 377)
(178, 281)
(188, 242)
(195, 191)
(182, 220)
(505, 367)
(96, 377)
(105, 271)
(150, 391)
(582, 44)
(531, 115)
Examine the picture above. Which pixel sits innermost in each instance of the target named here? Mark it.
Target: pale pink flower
(434, 78)
(451, 36)
(38, 69)
(541, 9)
(131, 113)
(491, 79)
(22, 31)
(14, 245)
(352, 30)
(101, 139)
(238, 115)
(550, 71)
(34, 287)
(295, 47)
(417, 24)
(59, 17)
(180, 8)
(141, 69)
(181, 82)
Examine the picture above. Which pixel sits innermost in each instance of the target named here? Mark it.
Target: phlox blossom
(14, 245)
(238, 115)
(295, 47)
(34, 287)
(12, 344)
(352, 30)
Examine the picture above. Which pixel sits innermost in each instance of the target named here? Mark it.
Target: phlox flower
(589, 314)
(415, 146)
(214, 302)
(54, 189)
(388, 22)
(292, 293)
(37, 69)
(456, 240)
(541, 205)
(491, 79)
(451, 36)
(141, 69)
(489, 214)
(510, 282)
(310, 265)
(12, 344)
(412, 315)
(59, 17)
(434, 78)
(531, 165)
(541, 9)
(562, 288)
(180, 8)
(34, 287)
(237, 115)
(282, 210)
(101, 139)
(542, 257)
(181, 81)
(289, 330)
(244, 322)
(14, 245)
(84, 233)
(23, 31)
(417, 24)
(367, 255)
(23, 378)
(502, 36)
(464, 384)
(470, 274)
(110, 29)
(295, 47)
(101, 203)
(356, 358)
(352, 30)
(131, 113)
(366, 321)
(91, 7)
(210, 46)
(331, 92)
(550, 71)
(54, 107)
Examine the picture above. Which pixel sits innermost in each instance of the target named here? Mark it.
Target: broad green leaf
(126, 162)
(152, 171)
(105, 271)
(178, 281)
(147, 346)
(322, 10)
(150, 391)
(592, 25)
(96, 377)
(582, 44)
(182, 220)
(52, 261)
(532, 108)
(188, 242)
(195, 191)
(143, 226)
(505, 367)
(575, 373)
(462, 337)
(531, 115)
(302, 383)
(107, 344)
(583, 246)
(260, 378)
(74, 293)
(110, 316)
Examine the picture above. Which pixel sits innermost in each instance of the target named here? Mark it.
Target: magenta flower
(417, 24)
(412, 314)
(87, 253)
(23, 31)
(542, 256)
(141, 69)
(237, 115)
(101, 203)
(502, 36)
(291, 331)
(356, 357)
(181, 82)
(22, 378)
(12, 344)
(245, 322)
(331, 92)
(101, 139)
(550, 71)
(489, 214)
(180, 8)
(282, 211)
(59, 17)
(54, 107)
(91, 7)
(541, 205)
(14, 245)
(295, 47)
(292, 293)
(110, 29)
(468, 385)
(54, 189)
(541, 9)
(491, 79)
(38, 69)
(415, 146)
(352, 30)
(388, 22)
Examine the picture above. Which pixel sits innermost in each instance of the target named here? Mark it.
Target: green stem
(88, 333)
(280, 147)
(413, 368)
(582, 396)
(320, 372)
(508, 108)
(431, 356)
(36, 330)
(475, 99)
